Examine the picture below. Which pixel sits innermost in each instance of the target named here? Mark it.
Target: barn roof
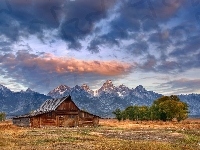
(50, 104)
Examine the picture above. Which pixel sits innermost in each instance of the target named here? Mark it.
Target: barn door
(61, 121)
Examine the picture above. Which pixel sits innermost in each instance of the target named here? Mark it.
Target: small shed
(61, 112)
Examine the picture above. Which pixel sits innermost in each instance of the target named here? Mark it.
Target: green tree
(182, 114)
(136, 113)
(118, 114)
(168, 108)
(143, 113)
(124, 115)
(2, 116)
(130, 112)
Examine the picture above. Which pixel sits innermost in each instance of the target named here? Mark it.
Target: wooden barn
(61, 112)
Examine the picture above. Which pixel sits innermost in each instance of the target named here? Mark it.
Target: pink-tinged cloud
(59, 65)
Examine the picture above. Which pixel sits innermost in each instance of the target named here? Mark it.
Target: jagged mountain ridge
(101, 102)
(109, 97)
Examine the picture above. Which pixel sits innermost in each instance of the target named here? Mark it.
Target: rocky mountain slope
(16, 103)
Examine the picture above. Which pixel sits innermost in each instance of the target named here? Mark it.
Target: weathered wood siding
(35, 121)
(87, 119)
(48, 119)
(67, 106)
(67, 114)
(22, 122)
(67, 120)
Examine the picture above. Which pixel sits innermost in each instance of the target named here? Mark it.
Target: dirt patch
(156, 135)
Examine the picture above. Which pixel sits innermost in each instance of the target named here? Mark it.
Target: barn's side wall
(48, 119)
(35, 121)
(22, 122)
(67, 120)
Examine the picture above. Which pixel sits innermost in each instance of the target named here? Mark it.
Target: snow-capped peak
(107, 86)
(60, 90)
(85, 87)
(109, 82)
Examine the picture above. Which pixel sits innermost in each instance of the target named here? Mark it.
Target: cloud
(182, 85)
(189, 46)
(33, 70)
(75, 20)
(149, 64)
(135, 17)
(138, 48)
(72, 19)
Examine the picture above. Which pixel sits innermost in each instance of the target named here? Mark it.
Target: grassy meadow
(109, 135)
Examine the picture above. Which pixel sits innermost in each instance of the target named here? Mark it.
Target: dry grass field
(109, 135)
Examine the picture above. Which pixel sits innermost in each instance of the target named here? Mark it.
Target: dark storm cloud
(139, 16)
(159, 37)
(190, 46)
(110, 39)
(138, 48)
(73, 19)
(5, 49)
(161, 41)
(5, 46)
(149, 64)
(26, 17)
(94, 45)
(180, 32)
(149, 24)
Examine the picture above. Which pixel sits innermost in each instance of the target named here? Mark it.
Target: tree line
(165, 108)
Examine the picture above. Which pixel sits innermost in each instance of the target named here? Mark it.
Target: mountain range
(101, 102)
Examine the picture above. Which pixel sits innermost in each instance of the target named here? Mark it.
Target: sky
(154, 43)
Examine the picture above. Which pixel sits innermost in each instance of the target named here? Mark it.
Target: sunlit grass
(110, 135)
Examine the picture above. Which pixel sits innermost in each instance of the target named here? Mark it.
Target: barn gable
(68, 105)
